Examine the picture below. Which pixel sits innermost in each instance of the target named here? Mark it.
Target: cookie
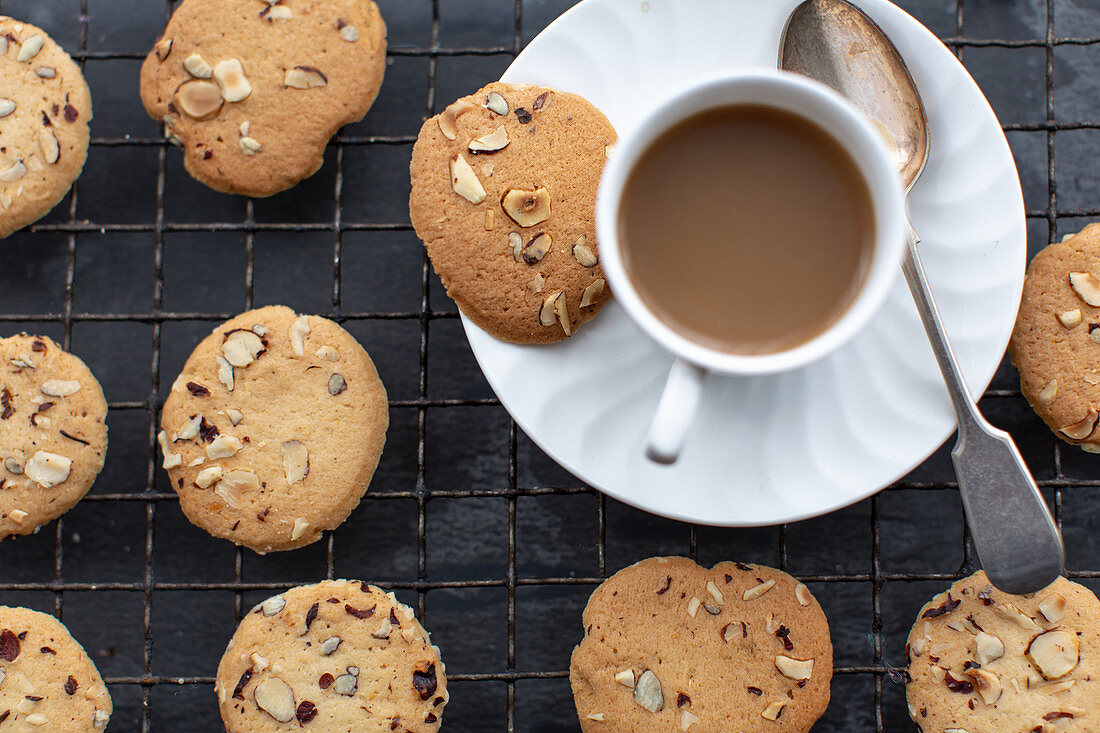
(336, 656)
(503, 194)
(252, 91)
(672, 646)
(45, 110)
(983, 661)
(53, 432)
(1056, 342)
(272, 431)
(47, 681)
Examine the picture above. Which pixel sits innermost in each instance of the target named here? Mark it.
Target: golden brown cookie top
(252, 91)
(339, 655)
(669, 645)
(45, 110)
(1056, 341)
(272, 431)
(984, 661)
(53, 432)
(503, 194)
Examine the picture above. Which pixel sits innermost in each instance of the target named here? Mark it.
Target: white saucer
(775, 449)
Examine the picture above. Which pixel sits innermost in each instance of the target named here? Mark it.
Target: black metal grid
(495, 546)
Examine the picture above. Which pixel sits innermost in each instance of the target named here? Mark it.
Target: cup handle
(675, 412)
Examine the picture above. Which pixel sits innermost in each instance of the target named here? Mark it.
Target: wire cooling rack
(495, 546)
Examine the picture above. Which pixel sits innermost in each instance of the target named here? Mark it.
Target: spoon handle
(1016, 539)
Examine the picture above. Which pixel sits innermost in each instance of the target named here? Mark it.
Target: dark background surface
(496, 546)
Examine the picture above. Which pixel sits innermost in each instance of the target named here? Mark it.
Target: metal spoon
(1016, 539)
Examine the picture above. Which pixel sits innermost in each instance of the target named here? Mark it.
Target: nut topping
(1049, 392)
(527, 208)
(328, 353)
(592, 293)
(536, 249)
(714, 592)
(988, 648)
(1086, 286)
(233, 486)
(200, 100)
(275, 698)
(795, 669)
(647, 692)
(7, 106)
(693, 606)
(515, 241)
(250, 145)
(31, 47)
(223, 446)
(465, 182)
(494, 142)
(208, 476)
(625, 678)
(449, 117)
(171, 460)
(537, 283)
(48, 469)
(757, 590)
(497, 103)
(13, 174)
(1070, 319)
(1082, 428)
(225, 373)
(295, 461)
(986, 683)
(235, 416)
(584, 254)
(234, 85)
(687, 719)
(164, 47)
(349, 33)
(48, 146)
(346, 684)
(336, 384)
(46, 72)
(12, 466)
(802, 594)
(60, 387)
(299, 330)
(330, 645)
(241, 347)
(561, 309)
(197, 67)
(189, 430)
(273, 605)
(305, 77)
(774, 710)
(1054, 653)
(299, 529)
(1053, 607)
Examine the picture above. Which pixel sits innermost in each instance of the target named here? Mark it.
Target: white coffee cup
(848, 126)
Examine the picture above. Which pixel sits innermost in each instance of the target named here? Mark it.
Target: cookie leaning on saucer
(273, 430)
(984, 661)
(47, 681)
(1056, 342)
(669, 645)
(503, 194)
(53, 432)
(336, 656)
(45, 109)
(252, 91)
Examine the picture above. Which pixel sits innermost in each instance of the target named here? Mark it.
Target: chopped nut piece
(349, 33)
(190, 429)
(795, 669)
(1082, 428)
(988, 648)
(300, 526)
(346, 684)
(200, 100)
(13, 466)
(233, 486)
(515, 241)
(986, 683)
(164, 47)
(802, 594)
(693, 606)
(547, 316)
(647, 692)
(48, 146)
(46, 72)
(336, 384)
(225, 373)
(592, 293)
(598, 717)
(497, 104)
(197, 67)
(7, 106)
(465, 182)
(449, 117)
(1053, 607)
(584, 254)
(37, 719)
(490, 220)
(329, 353)
(1048, 392)
(757, 590)
(774, 710)
(275, 698)
(1054, 653)
(295, 461)
(31, 47)
(561, 308)
(714, 592)
(250, 145)
(14, 173)
(538, 283)
(208, 476)
(1070, 319)
(60, 387)
(330, 645)
(536, 249)
(687, 719)
(171, 460)
(242, 347)
(235, 416)
(1086, 286)
(384, 630)
(712, 608)
(527, 208)
(625, 678)
(234, 85)
(1056, 687)
(305, 77)
(299, 331)
(18, 515)
(273, 605)
(223, 446)
(494, 142)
